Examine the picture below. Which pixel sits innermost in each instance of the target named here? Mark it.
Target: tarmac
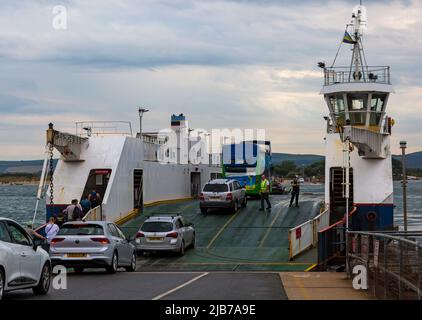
(242, 256)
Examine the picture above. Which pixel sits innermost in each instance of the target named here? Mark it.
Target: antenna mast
(358, 25)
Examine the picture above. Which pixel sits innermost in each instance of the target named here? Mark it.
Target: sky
(224, 64)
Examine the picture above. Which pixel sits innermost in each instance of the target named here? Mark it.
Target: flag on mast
(347, 38)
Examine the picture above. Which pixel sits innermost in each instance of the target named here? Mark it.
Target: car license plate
(76, 255)
(215, 197)
(156, 238)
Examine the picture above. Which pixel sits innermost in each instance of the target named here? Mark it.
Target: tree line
(288, 169)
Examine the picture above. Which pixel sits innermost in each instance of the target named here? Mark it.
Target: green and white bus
(246, 162)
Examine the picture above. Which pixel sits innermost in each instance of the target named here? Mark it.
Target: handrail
(393, 263)
(331, 240)
(94, 214)
(369, 74)
(388, 236)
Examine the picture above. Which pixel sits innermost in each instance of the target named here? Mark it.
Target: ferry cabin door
(337, 193)
(138, 189)
(98, 181)
(195, 184)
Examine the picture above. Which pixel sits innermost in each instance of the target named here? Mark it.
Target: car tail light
(56, 240)
(201, 196)
(102, 240)
(172, 234)
(229, 196)
(139, 234)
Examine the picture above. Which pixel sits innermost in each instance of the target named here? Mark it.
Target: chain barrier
(51, 170)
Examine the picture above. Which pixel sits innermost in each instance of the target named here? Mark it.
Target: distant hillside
(298, 159)
(24, 166)
(413, 160)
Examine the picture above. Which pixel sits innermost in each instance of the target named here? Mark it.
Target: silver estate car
(165, 233)
(92, 244)
(223, 194)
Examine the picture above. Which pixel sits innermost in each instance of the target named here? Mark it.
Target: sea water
(18, 202)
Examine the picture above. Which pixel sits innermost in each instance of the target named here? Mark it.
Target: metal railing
(305, 235)
(374, 74)
(332, 241)
(95, 214)
(393, 261)
(94, 128)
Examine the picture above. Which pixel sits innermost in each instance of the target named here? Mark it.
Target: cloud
(223, 63)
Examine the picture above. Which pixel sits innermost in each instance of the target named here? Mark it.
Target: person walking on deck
(86, 205)
(74, 211)
(94, 198)
(295, 192)
(264, 192)
(51, 230)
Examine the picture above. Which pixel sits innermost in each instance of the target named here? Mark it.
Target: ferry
(128, 172)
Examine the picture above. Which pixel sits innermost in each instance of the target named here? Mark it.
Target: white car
(23, 263)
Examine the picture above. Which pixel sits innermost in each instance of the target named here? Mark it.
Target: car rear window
(81, 230)
(216, 187)
(157, 226)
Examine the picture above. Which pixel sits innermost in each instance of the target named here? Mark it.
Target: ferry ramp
(248, 240)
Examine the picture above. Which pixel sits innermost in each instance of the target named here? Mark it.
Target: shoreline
(19, 183)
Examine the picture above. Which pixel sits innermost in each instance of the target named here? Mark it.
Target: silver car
(223, 194)
(92, 244)
(165, 233)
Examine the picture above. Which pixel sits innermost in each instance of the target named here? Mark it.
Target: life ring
(371, 216)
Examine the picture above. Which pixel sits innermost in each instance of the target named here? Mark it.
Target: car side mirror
(37, 242)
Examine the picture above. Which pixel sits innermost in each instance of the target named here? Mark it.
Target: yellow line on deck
(222, 229)
(311, 267)
(168, 201)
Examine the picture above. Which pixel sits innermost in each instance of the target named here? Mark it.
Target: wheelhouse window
(357, 103)
(377, 107)
(339, 108)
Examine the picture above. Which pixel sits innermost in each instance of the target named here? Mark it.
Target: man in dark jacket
(295, 192)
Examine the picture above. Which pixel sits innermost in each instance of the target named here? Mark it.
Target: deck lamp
(141, 112)
(403, 145)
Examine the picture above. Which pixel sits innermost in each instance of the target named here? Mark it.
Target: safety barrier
(392, 260)
(305, 235)
(95, 214)
(331, 241)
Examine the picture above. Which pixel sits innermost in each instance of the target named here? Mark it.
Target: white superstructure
(358, 136)
(125, 170)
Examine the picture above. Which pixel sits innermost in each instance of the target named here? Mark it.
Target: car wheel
(132, 266)
(45, 280)
(182, 248)
(193, 241)
(78, 270)
(235, 207)
(245, 203)
(114, 263)
(204, 210)
(2, 285)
